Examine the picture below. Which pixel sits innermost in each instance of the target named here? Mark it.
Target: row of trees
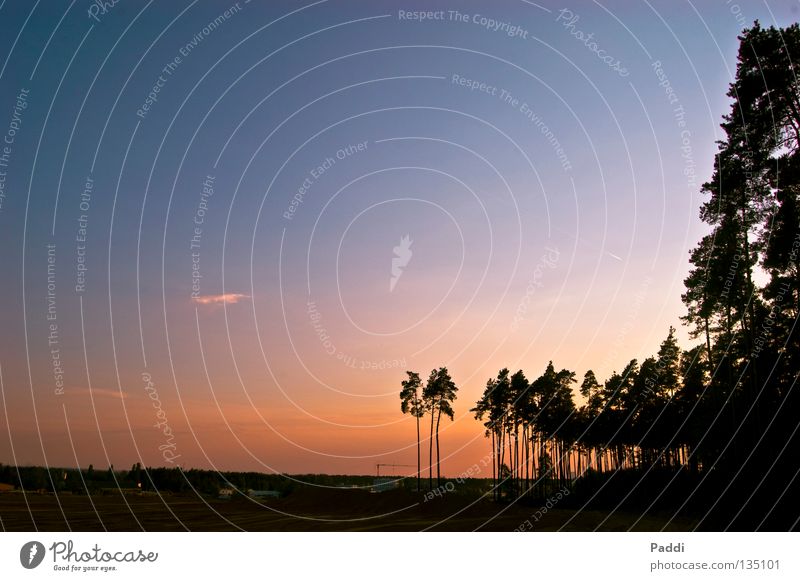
(72, 480)
(727, 409)
(436, 399)
(160, 479)
(729, 404)
(648, 415)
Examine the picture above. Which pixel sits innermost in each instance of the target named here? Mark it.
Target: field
(308, 509)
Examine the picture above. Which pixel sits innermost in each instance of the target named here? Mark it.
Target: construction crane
(378, 467)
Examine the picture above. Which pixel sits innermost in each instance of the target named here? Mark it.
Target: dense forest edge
(712, 428)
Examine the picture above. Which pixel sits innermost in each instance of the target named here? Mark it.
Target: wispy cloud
(96, 392)
(229, 298)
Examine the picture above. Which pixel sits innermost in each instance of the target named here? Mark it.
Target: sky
(227, 229)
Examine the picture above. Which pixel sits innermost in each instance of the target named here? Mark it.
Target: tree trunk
(527, 457)
(438, 473)
(494, 465)
(430, 451)
(419, 456)
(708, 347)
(502, 436)
(497, 459)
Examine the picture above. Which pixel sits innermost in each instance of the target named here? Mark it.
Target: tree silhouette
(411, 403)
(439, 394)
(494, 405)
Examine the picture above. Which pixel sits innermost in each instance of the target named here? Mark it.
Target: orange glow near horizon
(237, 270)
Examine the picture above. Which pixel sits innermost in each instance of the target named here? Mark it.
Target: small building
(225, 493)
(383, 484)
(125, 491)
(6, 487)
(263, 493)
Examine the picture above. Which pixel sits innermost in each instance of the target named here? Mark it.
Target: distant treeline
(162, 480)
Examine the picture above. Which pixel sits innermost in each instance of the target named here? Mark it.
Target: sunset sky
(220, 190)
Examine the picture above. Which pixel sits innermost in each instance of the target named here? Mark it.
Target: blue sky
(551, 198)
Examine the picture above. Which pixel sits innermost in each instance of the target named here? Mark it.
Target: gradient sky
(550, 212)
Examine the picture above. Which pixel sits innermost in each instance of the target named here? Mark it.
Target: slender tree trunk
(708, 347)
(516, 460)
(537, 462)
(527, 456)
(430, 451)
(500, 476)
(438, 473)
(419, 456)
(494, 465)
(555, 475)
(498, 441)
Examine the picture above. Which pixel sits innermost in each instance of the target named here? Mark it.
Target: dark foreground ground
(310, 509)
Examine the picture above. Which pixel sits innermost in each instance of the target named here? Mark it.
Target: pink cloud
(229, 298)
(96, 392)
